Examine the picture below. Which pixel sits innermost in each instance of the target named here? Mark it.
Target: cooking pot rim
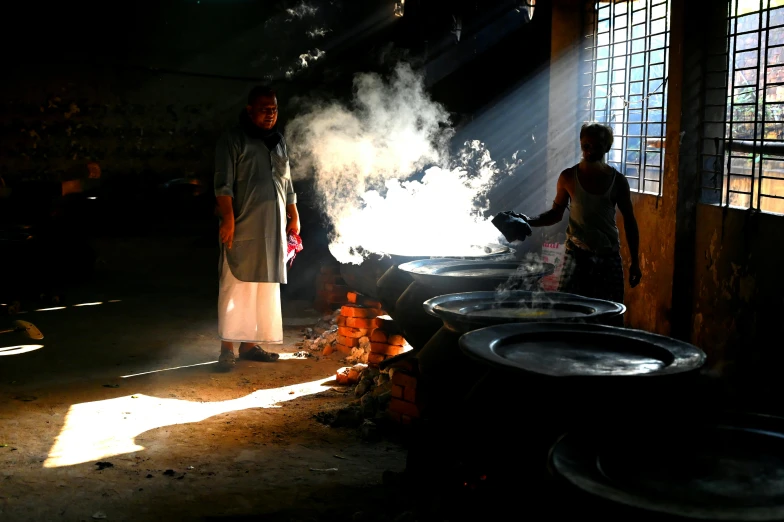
(436, 306)
(482, 344)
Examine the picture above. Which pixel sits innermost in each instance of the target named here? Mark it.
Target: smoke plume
(363, 157)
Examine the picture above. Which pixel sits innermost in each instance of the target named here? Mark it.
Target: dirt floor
(179, 441)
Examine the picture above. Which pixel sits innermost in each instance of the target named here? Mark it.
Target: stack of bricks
(385, 342)
(357, 319)
(331, 289)
(404, 406)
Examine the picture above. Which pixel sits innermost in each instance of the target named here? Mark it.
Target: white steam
(304, 60)
(301, 10)
(363, 156)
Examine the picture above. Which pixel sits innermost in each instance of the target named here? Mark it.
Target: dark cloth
(512, 225)
(592, 275)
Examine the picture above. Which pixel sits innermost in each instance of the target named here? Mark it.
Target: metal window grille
(743, 148)
(625, 69)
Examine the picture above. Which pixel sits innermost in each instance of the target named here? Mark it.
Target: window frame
(645, 144)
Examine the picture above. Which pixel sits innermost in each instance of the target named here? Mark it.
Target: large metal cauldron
(563, 376)
(723, 467)
(534, 381)
(444, 366)
(434, 277)
(365, 276)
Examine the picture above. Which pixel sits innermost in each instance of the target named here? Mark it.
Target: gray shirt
(259, 182)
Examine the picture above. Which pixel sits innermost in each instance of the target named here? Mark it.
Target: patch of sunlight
(50, 309)
(22, 348)
(89, 304)
(102, 429)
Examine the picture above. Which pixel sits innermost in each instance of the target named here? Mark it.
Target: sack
(554, 254)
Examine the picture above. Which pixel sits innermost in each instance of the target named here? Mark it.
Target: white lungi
(248, 312)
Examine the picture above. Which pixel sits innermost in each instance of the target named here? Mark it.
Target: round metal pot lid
(441, 271)
(575, 350)
(476, 309)
(732, 469)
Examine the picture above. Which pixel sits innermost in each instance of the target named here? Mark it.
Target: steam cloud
(362, 157)
(301, 10)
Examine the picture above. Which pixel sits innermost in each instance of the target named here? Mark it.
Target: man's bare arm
(226, 210)
(629, 221)
(555, 214)
(293, 215)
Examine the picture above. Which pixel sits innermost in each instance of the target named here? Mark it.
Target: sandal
(226, 361)
(258, 354)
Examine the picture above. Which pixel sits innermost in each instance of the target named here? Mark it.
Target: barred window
(743, 148)
(625, 64)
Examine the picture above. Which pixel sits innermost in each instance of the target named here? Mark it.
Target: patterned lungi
(594, 275)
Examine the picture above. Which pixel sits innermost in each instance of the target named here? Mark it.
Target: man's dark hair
(260, 91)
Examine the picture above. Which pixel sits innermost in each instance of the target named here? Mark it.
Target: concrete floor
(185, 443)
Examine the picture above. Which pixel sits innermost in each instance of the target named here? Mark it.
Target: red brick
(396, 339)
(409, 394)
(378, 336)
(348, 341)
(397, 391)
(343, 348)
(359, 322)
(360, 299)
(341, 377)
(388, 325)
(352, 332)
(404, 379)
(375, 358)
(328, 350)
(352, 310)
(342, 321)
(353, 375)
(386, 349)
(395, 416)
(403, 407)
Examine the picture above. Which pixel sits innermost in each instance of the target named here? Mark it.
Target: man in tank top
(592, 264)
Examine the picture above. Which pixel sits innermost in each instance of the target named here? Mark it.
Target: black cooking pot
(725, 468)
(441, 361)
(366, 276)
(434, 277)
(559, 376)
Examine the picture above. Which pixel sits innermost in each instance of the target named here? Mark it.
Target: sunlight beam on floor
(103, 429)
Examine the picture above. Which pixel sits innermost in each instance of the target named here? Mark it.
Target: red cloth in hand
(294, 246)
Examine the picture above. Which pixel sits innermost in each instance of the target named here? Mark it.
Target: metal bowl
(581, 350)
(469, 311)
(464, 275)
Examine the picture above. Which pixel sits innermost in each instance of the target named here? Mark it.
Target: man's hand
(293, 225)
(635, 274)
(226, 232)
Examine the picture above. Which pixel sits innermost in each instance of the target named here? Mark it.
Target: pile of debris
(363, 333)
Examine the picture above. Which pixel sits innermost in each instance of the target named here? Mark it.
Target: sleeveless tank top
(592, 219)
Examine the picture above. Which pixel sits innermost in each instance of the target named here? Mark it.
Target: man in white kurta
(258, 209)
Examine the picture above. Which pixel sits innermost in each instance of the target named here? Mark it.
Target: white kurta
(248, 312)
